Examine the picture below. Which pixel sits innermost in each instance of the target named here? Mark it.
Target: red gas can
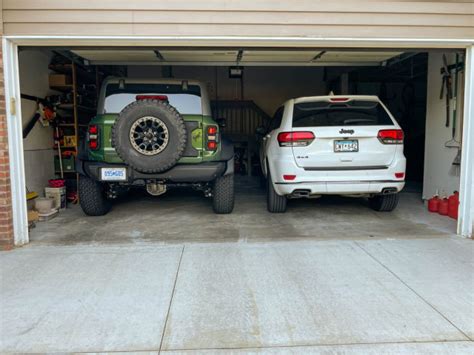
(433, 204)
(453, 204)
(443, 207)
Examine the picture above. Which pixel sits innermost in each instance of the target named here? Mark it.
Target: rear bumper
(184, 173)
(338, 187)
(337, 182)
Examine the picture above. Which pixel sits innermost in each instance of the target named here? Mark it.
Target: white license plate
(113, 174)
(346, 146)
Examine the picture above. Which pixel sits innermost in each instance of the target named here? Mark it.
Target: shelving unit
(79, 105)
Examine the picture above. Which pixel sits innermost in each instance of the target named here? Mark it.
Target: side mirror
(221, 122)
(261, 131)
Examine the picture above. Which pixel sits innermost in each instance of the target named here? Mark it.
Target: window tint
(276, 120)
(186, 102)
(353, 113)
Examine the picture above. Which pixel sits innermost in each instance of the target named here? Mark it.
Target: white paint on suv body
(323, 174)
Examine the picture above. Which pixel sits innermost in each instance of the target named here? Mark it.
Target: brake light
(289, 177)
(152, 97)
(211, 137)
(93, 132)
(391, 136)
(295, 139)
(339, 99)
(399, 175)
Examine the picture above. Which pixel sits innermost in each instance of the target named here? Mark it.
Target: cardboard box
(59, 80)
(58, 194)
(32, 216)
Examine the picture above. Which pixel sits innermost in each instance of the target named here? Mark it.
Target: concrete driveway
(340, 296)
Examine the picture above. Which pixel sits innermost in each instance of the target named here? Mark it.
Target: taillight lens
(93, 137)
(391, 136)
(212, 137)
(295, 139)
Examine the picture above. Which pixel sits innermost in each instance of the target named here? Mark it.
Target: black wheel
(149, 135)
(384, 203)
(275, 202)
(223, 194)
(92, 197)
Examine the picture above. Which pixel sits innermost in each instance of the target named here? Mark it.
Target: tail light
(93, 132)
(295, 139)
(212, 137)
(151, 97)
(391, 136)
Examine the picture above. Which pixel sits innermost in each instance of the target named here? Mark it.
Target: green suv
(155, 134)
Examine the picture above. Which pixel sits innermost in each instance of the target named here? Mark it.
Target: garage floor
(330, 276)
(185, 216)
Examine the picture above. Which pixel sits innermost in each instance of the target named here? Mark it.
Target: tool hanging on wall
(45, 112)
(453, 142)
(446, 83)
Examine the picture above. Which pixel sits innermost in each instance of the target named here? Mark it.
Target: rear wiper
(358, 120)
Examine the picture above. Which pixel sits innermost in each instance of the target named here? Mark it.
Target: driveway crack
(172, 296)
(412, 290)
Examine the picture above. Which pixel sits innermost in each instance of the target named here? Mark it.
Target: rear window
(185, 101)
(352, 113)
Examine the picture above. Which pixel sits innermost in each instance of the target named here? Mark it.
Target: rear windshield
(185, 101)
(353, 113)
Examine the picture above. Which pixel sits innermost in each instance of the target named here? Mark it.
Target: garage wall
(440, 174)
(394, 19)
(38, 145)
(268, 87)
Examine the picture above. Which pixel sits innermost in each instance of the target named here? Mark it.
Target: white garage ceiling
(248, 57)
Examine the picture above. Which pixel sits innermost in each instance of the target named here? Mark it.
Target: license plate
(113, 174)
(346, 146)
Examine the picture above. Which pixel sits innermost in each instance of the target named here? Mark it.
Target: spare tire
(149, 135)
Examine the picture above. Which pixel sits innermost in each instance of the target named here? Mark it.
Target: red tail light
(399, 175)
(289, 177)
(391, 136)
(339, 99)
(212, 137)
(295, 139)
(93, 136)
(152, 97)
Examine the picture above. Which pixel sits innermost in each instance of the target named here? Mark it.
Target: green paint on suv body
(106, 152)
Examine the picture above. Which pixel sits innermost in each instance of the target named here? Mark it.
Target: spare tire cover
(149, 135)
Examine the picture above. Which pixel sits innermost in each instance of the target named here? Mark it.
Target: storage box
(58, 194)
(69, 164)
(59, 80)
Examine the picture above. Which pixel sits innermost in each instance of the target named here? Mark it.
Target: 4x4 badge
(350, 131)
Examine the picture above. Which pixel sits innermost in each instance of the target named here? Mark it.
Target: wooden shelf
(70, 107)
(63, 88)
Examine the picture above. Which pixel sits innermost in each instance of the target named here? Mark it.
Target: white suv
(338, 145)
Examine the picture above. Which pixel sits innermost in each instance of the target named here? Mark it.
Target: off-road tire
(92, 197)
(275, 202)
(173, 121)
(223, 194)
(384, 203)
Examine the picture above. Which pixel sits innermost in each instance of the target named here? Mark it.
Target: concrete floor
(185, 216)
(328, 277)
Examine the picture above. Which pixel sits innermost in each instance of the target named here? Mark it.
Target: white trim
(466, 209)
(10, 55)
(241, 41)
(15, 142)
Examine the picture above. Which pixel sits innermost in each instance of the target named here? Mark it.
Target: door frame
(13, 102)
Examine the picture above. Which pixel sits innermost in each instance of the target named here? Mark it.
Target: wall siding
(395, 19)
